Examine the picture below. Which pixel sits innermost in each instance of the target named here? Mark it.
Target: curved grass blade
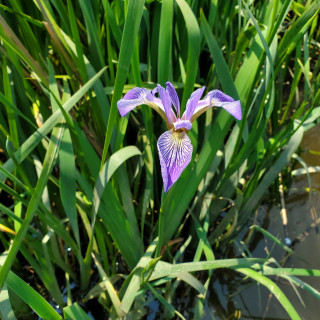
(164, 269)
(116, 160)
(27, 147)
(135, 278)
(109, 288)
(273, 288)
(291, 38)
(30, 296)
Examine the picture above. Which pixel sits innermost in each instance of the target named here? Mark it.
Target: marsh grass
(85, 202)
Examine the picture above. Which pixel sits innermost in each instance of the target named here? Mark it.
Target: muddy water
(236, 298)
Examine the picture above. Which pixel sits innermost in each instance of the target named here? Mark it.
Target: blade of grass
(75, 312)
(29, 295)
(116, 160)
(110, 289)
(273, 289)
(165, 41)
(49, 161)
(194, 41)
(132, 23)
(6, 311)
(270, 176)
(27, 147)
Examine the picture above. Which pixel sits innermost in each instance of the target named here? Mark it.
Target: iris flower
(174, 145)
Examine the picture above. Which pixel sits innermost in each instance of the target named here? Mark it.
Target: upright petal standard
(174, 145)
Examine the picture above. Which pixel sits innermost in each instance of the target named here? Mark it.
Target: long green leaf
(27, 147)
(49, 161)
(133, 18)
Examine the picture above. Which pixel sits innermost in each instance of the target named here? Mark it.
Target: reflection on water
(234, 297)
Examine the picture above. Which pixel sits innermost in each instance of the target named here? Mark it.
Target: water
(233, 297)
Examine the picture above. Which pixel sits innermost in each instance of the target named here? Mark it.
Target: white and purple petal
(136, 97)
(132, 99)
(182, 124)
(166, 102)
(192, 103)
(174, 97)
(175, 153)
(217, 98)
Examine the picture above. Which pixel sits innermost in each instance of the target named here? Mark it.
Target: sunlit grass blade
(6, 311)
(75, 312)
(133, 18)
(135, 278)
(27, 147)
(110, 289)
(273, 288)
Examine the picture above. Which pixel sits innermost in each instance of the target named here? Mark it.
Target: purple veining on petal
(192, 103)
(175, 153)
(166, 102)
(217, 98)
(132, 99)
(182, 124)
(174, 97)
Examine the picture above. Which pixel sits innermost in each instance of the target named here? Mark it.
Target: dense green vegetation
(84, 218)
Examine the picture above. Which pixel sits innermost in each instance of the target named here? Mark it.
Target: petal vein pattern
(174, 146)
(175, 152)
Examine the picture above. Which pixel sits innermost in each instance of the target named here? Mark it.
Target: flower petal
(136, 97)
(217, 98)
(174, 97)
(182, 124)
(234, 108)
(166, 102)
(152, 98)
(175, 153)
(192, 103)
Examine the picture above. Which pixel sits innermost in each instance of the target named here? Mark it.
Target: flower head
(174, 146)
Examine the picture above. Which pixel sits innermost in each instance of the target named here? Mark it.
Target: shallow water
(235, 298)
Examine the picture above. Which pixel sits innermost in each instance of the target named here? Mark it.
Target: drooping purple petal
(132, 99)
(192, 103)
(182, 124)
(234, 108)
(136, 97)
(174, 97)
(166, 102)
(175, 153)
(217, 98)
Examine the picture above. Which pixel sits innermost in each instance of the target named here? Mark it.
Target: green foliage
(81, 209)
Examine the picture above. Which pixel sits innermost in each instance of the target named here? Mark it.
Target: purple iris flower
(174, 146)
